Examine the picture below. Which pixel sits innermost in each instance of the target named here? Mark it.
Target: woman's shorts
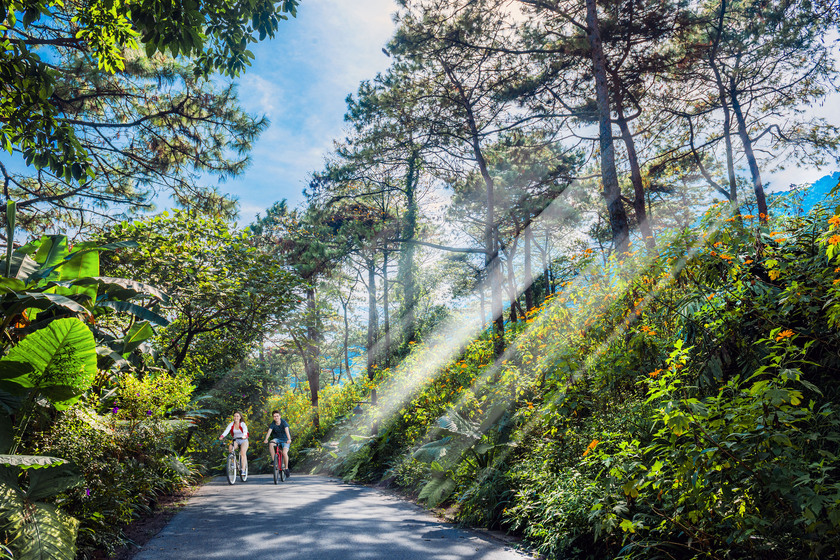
(238, 442)
(282, 444)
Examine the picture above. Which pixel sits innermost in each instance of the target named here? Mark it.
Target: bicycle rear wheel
(231, 468)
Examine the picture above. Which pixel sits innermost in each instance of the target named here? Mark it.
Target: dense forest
(541, 284)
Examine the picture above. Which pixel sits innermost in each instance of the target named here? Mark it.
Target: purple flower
(87, 492)
(148, 413)
(115, 409)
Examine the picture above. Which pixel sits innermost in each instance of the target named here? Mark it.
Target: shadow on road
(312, 517)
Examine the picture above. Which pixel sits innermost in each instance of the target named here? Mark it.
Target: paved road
(312, 517)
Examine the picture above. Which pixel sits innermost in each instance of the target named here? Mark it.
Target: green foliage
(35, 529)
(46, 121)
(151, 397)
(143, 453)
(222, 287)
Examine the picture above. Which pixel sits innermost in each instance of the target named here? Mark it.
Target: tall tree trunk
(406, 265)
(373, 322)
(636, 179)
(529, 277)
(386, 319)
(746, 141)
(727, 138)
(727, 118)
(347, 341)
(609, 175)
(513, 292)
(482, 304)
(313, 371)
(492, 262)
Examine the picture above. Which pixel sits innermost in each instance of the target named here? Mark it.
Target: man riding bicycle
(239, 431)
(278, 431)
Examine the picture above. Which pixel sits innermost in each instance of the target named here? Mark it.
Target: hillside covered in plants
(678, 407)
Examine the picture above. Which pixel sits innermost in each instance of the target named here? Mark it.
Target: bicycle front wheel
(276, 471)
(231, 468)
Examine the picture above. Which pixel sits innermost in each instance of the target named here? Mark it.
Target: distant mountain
(818, 191)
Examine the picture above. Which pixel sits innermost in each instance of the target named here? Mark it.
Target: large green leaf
(39, 300)
(48, 481)
(51, 252)
(80, 264)
(26, 462)
(15, 371)
(434, 450)
(137, 310)
(15, 377)
(8, 285)
(63, 355)
(436, 491)
(36, 531)
(122, 289)
(22, 266)
(137, 335)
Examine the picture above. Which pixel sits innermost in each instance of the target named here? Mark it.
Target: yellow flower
(774, 274)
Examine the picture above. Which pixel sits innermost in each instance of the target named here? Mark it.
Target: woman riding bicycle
(240, 438)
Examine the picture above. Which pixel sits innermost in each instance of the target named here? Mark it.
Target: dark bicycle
(279, 472)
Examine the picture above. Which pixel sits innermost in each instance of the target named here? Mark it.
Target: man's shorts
(281, 444)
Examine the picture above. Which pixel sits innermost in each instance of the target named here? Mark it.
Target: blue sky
(300, 81)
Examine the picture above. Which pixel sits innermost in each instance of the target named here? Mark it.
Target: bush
(126, 467)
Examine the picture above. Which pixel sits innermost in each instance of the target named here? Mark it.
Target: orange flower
(834, 221)
(590, 447)
(784, 334)
(748, 216)
(834, 239)
(655, 372)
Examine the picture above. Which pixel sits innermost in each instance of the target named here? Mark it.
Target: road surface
(312, 518)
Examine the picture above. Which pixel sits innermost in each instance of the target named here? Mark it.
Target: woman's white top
(239, 432)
